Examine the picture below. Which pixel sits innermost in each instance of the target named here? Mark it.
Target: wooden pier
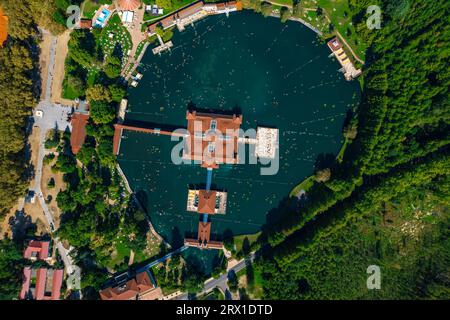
(118, 129)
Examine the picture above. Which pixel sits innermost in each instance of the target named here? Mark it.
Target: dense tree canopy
(11, 270)
(17, 91)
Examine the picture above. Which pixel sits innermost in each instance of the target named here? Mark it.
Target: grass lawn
(339, 13)
(92, 77)
(68, 93)
(142, 44)
(89, 9)
(122, 251)
(255, 290)
(121, 37)
(239, 240)
(319, 22)
(304, 185)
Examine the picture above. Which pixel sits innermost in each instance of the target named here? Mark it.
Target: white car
(39, 113)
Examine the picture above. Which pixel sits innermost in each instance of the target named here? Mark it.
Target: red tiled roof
(203, 238)
(133, 288)
(204, 232)
(334, 44)
(78, 135)
(183, 13)
(40, 247)
(190, 10)
(129, 5)
(56, 284)
(41, 275)
(26, 283)
(85, 24)
(215, 245)
(152, 27)
(151, 295)
(44, 278)
(168, 21)
(3, 27)
(206, 201)
(200, 137)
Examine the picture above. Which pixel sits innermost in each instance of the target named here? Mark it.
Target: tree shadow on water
(177, 238)
(324, 160)
(142, 198)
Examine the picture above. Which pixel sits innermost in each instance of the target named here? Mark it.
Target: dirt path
(58, 71)
(281, 4)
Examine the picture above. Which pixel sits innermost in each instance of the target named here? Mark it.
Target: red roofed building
(36, 250)
(78, 135)
(208, 202)
(213, 138)
(204, 232)
(85, 24)
(3, 27)
(190, 10)
(40, 283)
(129, 5)
(203, 238)
(138, 288)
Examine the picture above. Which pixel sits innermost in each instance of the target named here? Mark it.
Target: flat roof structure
(213, 138)
(78, 135)
(266, 142)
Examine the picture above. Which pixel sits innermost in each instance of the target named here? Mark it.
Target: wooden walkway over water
(118, 129)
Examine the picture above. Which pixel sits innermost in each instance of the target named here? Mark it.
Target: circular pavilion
(129, 5)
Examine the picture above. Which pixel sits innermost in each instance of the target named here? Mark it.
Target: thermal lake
(277, 75)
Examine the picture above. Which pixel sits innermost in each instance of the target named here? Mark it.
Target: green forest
(20, 86)
(397, 161)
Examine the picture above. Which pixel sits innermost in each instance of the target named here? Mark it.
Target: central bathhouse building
(213, 138)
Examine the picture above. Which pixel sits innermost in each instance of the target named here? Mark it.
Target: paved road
(221, 282)
(54, 115)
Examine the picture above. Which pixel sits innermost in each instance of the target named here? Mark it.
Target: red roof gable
(85, 24)
(47, 280)
(133, 288)
(78, 135)
(206, 201)
(38, 247)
